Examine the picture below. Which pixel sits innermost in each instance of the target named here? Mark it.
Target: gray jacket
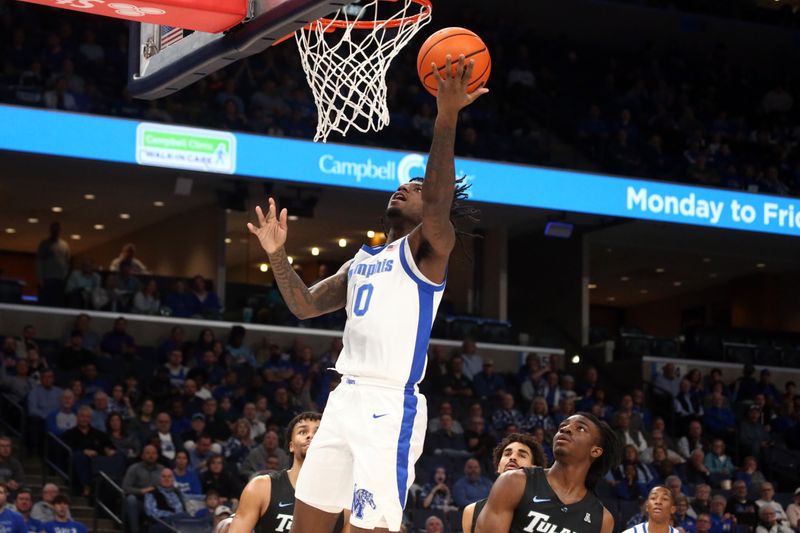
(140, 476)
(256, 460)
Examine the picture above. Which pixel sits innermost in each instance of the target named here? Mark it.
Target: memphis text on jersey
(368, 270)
(541, 524)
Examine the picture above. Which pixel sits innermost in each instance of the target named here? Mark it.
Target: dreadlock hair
(537, 453)
(611, 445)
(459, 211)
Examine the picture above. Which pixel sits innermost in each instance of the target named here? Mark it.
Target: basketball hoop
(346, 57)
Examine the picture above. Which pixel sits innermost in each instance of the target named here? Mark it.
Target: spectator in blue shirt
(487, 383)
(179, 301)
(10, 521)
(766, 387)
(117, 341)
(24, 504)
(719, 421)
(205, 303)
(236, 346)
(682, 518)
(43, 399)
(721, 522)
(473, 486)
(62, 523)
(186, 478)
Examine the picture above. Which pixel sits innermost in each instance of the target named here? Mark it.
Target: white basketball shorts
(362, 457)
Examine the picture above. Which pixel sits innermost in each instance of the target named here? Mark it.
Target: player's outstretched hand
(453, 95)
(271, 229)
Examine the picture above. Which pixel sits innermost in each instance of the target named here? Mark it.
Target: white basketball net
(346, 67)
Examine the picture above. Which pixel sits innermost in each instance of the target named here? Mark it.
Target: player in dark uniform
(516, 451)
(560, 499)
(267, 502)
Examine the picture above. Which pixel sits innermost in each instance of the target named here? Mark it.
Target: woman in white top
(660, 507)
(146, 301)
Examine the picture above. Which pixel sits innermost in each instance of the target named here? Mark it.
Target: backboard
(165, 59)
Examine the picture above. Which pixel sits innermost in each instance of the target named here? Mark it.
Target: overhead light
(243, 240)
(712, 275)
(227, 211)
(760, 265)
(660, 270)
(342, 243)
(677, 283)
(293, 218)
(124, 216)
(576, 359)
(158, 203)
(610, 298)
(624, 278)
(643, 291)
(592, 286)
(33, 220)
(290, 259)
(11, 230)
(89, 196)
(609, 250)
(227, 240)
(263, 267)
(99, 226)
(706, 260)
(370, 234)
(75, 237)
(315, 251)
(56, 209)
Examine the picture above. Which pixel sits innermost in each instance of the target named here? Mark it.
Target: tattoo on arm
(328, 295)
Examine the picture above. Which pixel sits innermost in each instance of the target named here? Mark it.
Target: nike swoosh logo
(537, 499)
(379, 416)
(281, 504)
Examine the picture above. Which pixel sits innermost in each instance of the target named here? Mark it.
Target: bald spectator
(434, 524)
(166, 502)
(12, 474)
(167, 442)
(140, 479)
(43, 510)
(473, 486)
(128, 253)
(667, 380)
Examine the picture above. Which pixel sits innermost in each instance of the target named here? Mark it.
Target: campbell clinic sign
(124, 141)
(185, 148)
(402, 170)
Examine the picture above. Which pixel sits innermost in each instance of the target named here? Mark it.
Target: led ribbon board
(133, 142)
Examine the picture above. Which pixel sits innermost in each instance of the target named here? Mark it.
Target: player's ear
(596, 452)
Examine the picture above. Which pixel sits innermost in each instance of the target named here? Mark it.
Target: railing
(12, 412)
(55, 446)
(106, 490)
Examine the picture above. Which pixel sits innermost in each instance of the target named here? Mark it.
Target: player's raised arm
(506, 493)
(326, 296)
(440, 174)
(251, 505)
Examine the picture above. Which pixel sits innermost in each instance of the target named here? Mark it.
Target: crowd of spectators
(183, 425)
(649, 111)
(125, 286)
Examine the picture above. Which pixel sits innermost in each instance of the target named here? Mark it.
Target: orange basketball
(453, 42)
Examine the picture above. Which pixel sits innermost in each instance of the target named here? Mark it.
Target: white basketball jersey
(391, 306)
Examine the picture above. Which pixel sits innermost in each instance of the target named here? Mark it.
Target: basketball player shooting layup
(560, 498)
(267, 502)
(373, 427)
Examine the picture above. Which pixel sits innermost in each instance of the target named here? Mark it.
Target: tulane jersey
(390, 310)
(541, 510)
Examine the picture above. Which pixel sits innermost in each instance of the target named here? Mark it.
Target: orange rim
(330, 24)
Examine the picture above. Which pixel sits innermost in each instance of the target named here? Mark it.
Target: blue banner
(108, 139)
